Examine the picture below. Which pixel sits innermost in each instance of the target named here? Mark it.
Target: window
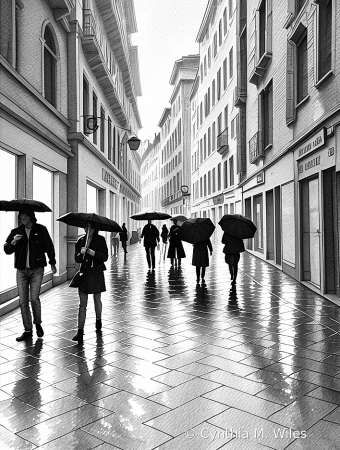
(201, 187)
(324, 56)
(43, 177)
(231, 63)
(102, 130)
(213, 180)
(219, 84)
(219, 181)
(230, 9)
(205, 66)
(231, 170)
(266, 114)
(226, 117)
(94, 113)
(298, 6)
(225, 164)
(205, 146)
(215, 44)
(220, 33)
(201, 71)
(213, 93)
(8, 27)
(225, 21)
(109, 139)
(201, 151)
(219, 124)
(225, 74)
(213, 137)
(209, 182)
(209, 57)
(50, 66)
(302, 68)
(85, 101)
(209, 141)
(232, 131)
(205, 185)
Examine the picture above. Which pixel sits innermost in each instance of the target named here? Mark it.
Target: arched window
(50, 66)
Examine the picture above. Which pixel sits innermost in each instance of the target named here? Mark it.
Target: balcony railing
(256, 149)
(89, 23)
(172, 198)
(222, 142)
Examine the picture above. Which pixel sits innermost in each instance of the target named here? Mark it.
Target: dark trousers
(150, 256)
(124, 246)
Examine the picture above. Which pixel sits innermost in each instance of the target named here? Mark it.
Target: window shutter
(269, 26)
(290, 106)
(252, 45)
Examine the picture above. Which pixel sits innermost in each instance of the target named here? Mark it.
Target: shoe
(98, 325)
(79, 336)
(25, 335)
(40, 331)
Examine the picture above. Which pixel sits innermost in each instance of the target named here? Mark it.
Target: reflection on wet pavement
(178, 365)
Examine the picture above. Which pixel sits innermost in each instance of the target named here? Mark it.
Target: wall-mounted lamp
(91, 125)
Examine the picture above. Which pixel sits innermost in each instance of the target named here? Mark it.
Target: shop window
(91, 199)
(8, 220)
(258, 220)
(50, 65)
(43, 191)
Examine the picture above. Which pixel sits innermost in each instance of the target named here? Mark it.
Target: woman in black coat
(164, 236)
(150, 234)
(124, 237)
(200, 258)
(233, 246)
(176, 251)
(91, 251)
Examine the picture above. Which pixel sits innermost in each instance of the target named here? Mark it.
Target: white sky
(167, 30)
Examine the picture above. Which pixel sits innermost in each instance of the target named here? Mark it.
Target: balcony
(172, 198)
(222, 143)
(93, 42)
(256, 150)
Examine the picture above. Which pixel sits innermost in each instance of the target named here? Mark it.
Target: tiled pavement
(177, 366)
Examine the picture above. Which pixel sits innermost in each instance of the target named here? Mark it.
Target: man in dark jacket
(29, 242)
(233, 246)
(151, 237)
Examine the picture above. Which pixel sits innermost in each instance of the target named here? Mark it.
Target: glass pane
(91, 200)
(8, 220)
(42, 191)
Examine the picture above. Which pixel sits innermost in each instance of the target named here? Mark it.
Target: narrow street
(178, 365)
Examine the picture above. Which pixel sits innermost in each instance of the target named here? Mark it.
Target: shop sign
(260, 178)
(110, 179)
(310, 164)
(315, 142)
(218, 200)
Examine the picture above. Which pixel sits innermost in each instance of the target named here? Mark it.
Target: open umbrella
(179, 218)
(151, 215)
(23, 204)
(196, 230)
(238, 226)
(100, 223)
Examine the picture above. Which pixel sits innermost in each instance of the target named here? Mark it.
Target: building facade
(215, 118)
(69, 86)
(104, 85)
(34, 124)
(292, 185)
(175, 125)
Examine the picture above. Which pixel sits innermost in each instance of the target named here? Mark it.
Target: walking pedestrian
(29, 242)
(164, 236)
(200, 258)
(176, 251)
(91, 251)
(150, 234)
(233, 246)
(124, 237)
(114, 243)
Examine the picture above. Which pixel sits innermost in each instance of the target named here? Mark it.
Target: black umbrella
(196, 230)
(179, 218)
(238, 226)
(23, 204)
(100, 223)
(151, 215)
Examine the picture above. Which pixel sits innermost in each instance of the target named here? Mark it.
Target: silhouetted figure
(176, 251)
(200, 258)
(124, 237)
(233, 246)
(164, 236)
(150, 234)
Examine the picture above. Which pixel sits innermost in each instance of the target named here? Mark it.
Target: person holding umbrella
(29, 242)
(91, 251)
(236, 227)
(176, 251)
(150, 234)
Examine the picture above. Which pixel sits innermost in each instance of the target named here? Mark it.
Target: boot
(79, 336)
(99, 325)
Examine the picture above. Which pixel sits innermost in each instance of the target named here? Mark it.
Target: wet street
(178, 365)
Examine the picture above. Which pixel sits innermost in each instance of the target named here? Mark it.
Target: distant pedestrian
(91, 250)
(114, 243)
(150, 234)
(164, 236)
(233, 246)
(176, 251)
(124, 237)
(200, 258)
(29, 242)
